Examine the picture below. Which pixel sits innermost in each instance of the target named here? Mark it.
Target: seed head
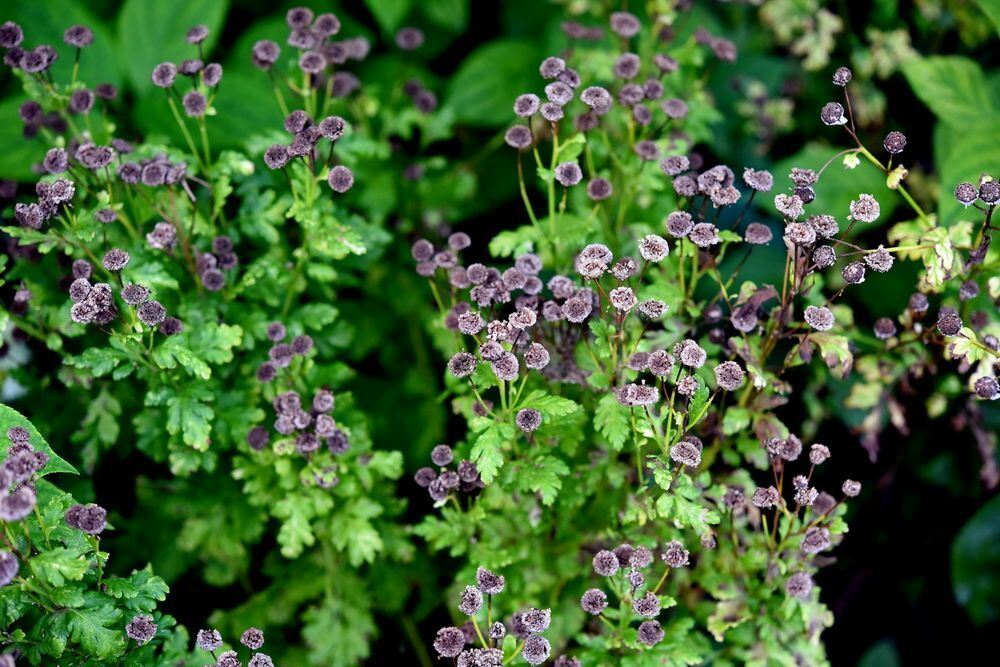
(842, 76)
(650, 633)
(151, 313)
(894, 142)
(816, 539)
(851, 488)
(606, 563)
(864, 209)
(818, 454)
(686, 453)
(526, 105)
(340, 179)
(989, 192)
(164, 74)
(765, 498)
(966, 193)
(8, 567)
(594, 601)
(833, 114)
(625, 24)
(799, 585)
(488, 582)
(449, 642)
(854, 273)
(568, 174)
(79, 36)
(536, 650)
(987, 388)
(141, 628)
(674, 108)
(949, 324)
(471, 601)
(761, 181)
(528, 420)
(675, 555)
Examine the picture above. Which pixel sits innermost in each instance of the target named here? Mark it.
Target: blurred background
(918, 577)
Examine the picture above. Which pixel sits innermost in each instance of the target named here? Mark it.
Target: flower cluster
(441, 483)
(252, 639)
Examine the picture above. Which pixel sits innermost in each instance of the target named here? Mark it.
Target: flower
(865, 209)
(536, 650)
(340, 179)
(819, 317)
(568, 174)
(594, 601)
(894, 142)
(528, 420)
(675, 555)
(648, 605)
(141, 628)
(471, 601)
(605, 563)
(729, 375)
(841, 76)
(489, 582)
(650, 633)
(799, 585)
(252, 638)
(208, 640)
(833, 114)
(449, 642)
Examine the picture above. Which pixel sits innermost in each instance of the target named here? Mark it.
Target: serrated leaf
(611, 420)
(543, 476)
(487, 451)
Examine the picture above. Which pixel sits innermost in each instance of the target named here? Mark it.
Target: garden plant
(570, 333)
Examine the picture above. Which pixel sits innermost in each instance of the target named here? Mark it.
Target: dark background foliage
(892, 589)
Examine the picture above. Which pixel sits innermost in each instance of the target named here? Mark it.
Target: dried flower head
(818, 454)
(799, 585)
(568, 174)
(650, 633)
(864, 209)
(141, 628)
(729, 375)
(765, 498)
(528, 420)
(536, 650)
(675, 555)
(340, 179)
(686, 453)
(816, 539)
(471, 601)
(819, 317)
(851, 488)
(489, 582)
(833, 114)
(606, 563)
(164, 74)
(949, 324)
(761, 181)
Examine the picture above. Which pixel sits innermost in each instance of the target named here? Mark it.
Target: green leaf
(155, 33)
(611, 420)
(59, 565)
(698, 407)
(992, 9)
(487, 449)
(550, 406)
(483, 89)
(352, 531)
(964, 153)
(975, 564)
(543, 476)
(389, 13)
(190, 417)
(953, 87)
(95, 627)
(735, 420)
(451, 15)
(9, 418)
